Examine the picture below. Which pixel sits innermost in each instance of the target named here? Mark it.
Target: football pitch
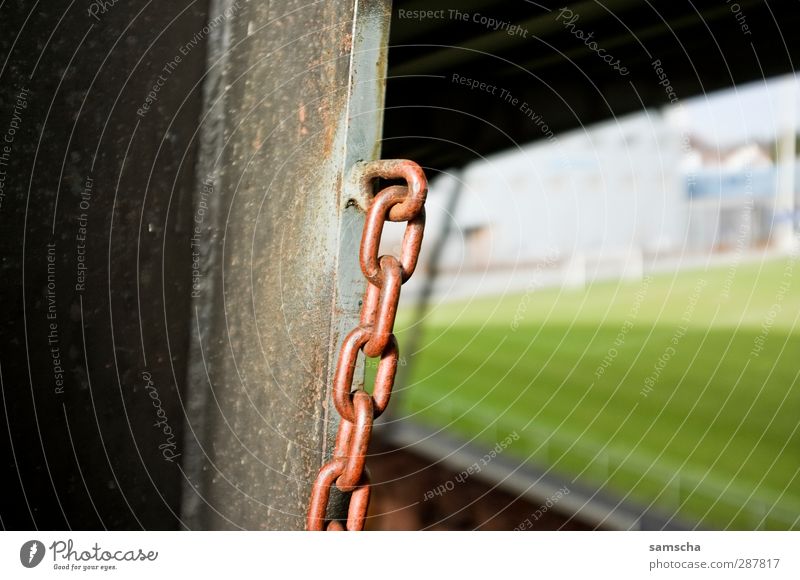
(678, 391)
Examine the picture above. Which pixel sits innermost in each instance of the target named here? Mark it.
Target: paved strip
(533, 482)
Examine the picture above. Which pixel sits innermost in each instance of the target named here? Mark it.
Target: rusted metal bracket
(364, 173)
(374, 337)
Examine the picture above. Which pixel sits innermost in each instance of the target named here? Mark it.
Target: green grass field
(713, 439)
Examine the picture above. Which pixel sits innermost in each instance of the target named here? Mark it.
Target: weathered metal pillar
(294, 98)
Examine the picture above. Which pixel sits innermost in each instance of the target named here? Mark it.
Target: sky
(749, 112)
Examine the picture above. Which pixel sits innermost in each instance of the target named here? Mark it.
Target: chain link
(373, 336)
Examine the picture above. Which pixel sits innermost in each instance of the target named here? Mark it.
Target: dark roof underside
(565, 83)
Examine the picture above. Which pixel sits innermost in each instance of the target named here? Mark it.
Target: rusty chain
(373, 336)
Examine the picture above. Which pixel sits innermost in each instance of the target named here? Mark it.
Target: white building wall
(599, 192)
(589, 204)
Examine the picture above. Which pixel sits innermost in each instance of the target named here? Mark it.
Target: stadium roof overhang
(546, 68)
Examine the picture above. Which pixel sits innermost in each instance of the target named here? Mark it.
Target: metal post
(294, 98)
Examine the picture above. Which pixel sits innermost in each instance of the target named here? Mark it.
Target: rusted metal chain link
(373, 336)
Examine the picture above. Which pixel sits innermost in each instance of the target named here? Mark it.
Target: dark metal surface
(294, 100)
(373, 336)
(95, 217)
